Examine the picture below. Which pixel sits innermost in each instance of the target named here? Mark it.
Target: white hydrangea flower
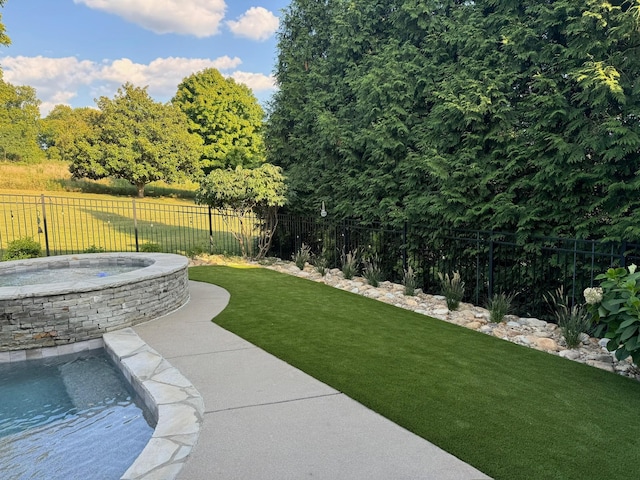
(632, 268)
(593, 295)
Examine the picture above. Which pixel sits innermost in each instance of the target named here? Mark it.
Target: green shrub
(302, 256)
(349, 264)
(22, 248)
(572, 320)
(372, 271)
(499, 306)
(196, 251)
(94, 249)
(150, 247)
(615, 308)
(409, 281)
(452, 289)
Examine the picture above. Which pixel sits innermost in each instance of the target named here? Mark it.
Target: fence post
(135, 224)
(575, 267)
(210, 233)
(623, 249)
(404, 247)
(44, 224)
(490, 292)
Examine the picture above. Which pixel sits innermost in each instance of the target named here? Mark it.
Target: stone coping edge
(46, 352)
(175, 404)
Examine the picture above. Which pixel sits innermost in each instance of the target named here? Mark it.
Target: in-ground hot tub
(117, 290)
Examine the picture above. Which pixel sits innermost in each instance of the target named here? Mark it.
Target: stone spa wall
(62, 312)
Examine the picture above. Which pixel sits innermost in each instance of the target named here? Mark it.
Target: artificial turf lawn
(510, 411)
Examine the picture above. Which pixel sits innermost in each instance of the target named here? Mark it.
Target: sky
(75, 51)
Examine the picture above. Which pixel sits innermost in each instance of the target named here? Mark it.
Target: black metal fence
(489, 262)
(64, 225)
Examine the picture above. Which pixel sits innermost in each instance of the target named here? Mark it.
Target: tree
(4, 39)
(19, 123)
(62, 127)
(488, 115)
(136, 139)
(242, 195)
(227, 117)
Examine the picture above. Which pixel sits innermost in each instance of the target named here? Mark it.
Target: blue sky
(73, 51)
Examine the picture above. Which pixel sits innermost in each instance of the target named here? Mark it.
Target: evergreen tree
(488, 114)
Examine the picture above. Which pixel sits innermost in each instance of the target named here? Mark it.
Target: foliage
(509, 116)
(226, 115)
(615, 308)
(409, 281)
(19, 117)
(22, 248)
(150, 247)
(136, 139)
(251, 197)
(302, 256)
(64, 125)
(452, 289)
(372, 271)
(499, 305)
(94, 249)
(349, 262)
(4, 39)
(573, 320)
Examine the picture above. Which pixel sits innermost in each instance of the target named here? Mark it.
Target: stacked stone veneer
(47, 315)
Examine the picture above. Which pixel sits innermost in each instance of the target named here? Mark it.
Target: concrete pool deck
(264, 419)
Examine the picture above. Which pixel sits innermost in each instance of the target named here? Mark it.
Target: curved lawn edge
(511, 412)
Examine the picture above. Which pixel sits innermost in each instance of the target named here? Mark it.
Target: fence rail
(489, 262)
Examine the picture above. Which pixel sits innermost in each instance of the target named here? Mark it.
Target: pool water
(67, 274)
(68, 417)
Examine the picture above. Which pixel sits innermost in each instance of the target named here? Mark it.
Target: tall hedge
(505, 115)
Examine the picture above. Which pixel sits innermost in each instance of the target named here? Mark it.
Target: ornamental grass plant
(452, 289)
(350, 262)
(409, 281)
(573, 320)
(302, 256)
(499, 305)
(372, 271)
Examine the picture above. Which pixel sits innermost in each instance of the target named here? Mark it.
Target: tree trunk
(140, 188)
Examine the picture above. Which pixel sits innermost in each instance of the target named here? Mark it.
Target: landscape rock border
(528, 332)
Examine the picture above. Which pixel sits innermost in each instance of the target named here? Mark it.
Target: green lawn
(510, 411)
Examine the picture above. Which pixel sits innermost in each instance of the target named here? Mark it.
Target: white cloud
(61, 80)
(257, 82)
(257, 23)
(162, 75)
(200, 18)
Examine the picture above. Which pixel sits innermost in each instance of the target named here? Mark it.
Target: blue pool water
(55, 275)
(70, 417)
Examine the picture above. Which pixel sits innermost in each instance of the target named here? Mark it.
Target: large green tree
(226, 115)
(136, 139)
(489, 114)
(19, 123)
(60, 129)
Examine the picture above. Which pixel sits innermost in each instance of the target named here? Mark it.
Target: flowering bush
(615, 308)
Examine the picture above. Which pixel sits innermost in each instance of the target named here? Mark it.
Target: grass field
(79, 215)
(512, 412)
(53, 176)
